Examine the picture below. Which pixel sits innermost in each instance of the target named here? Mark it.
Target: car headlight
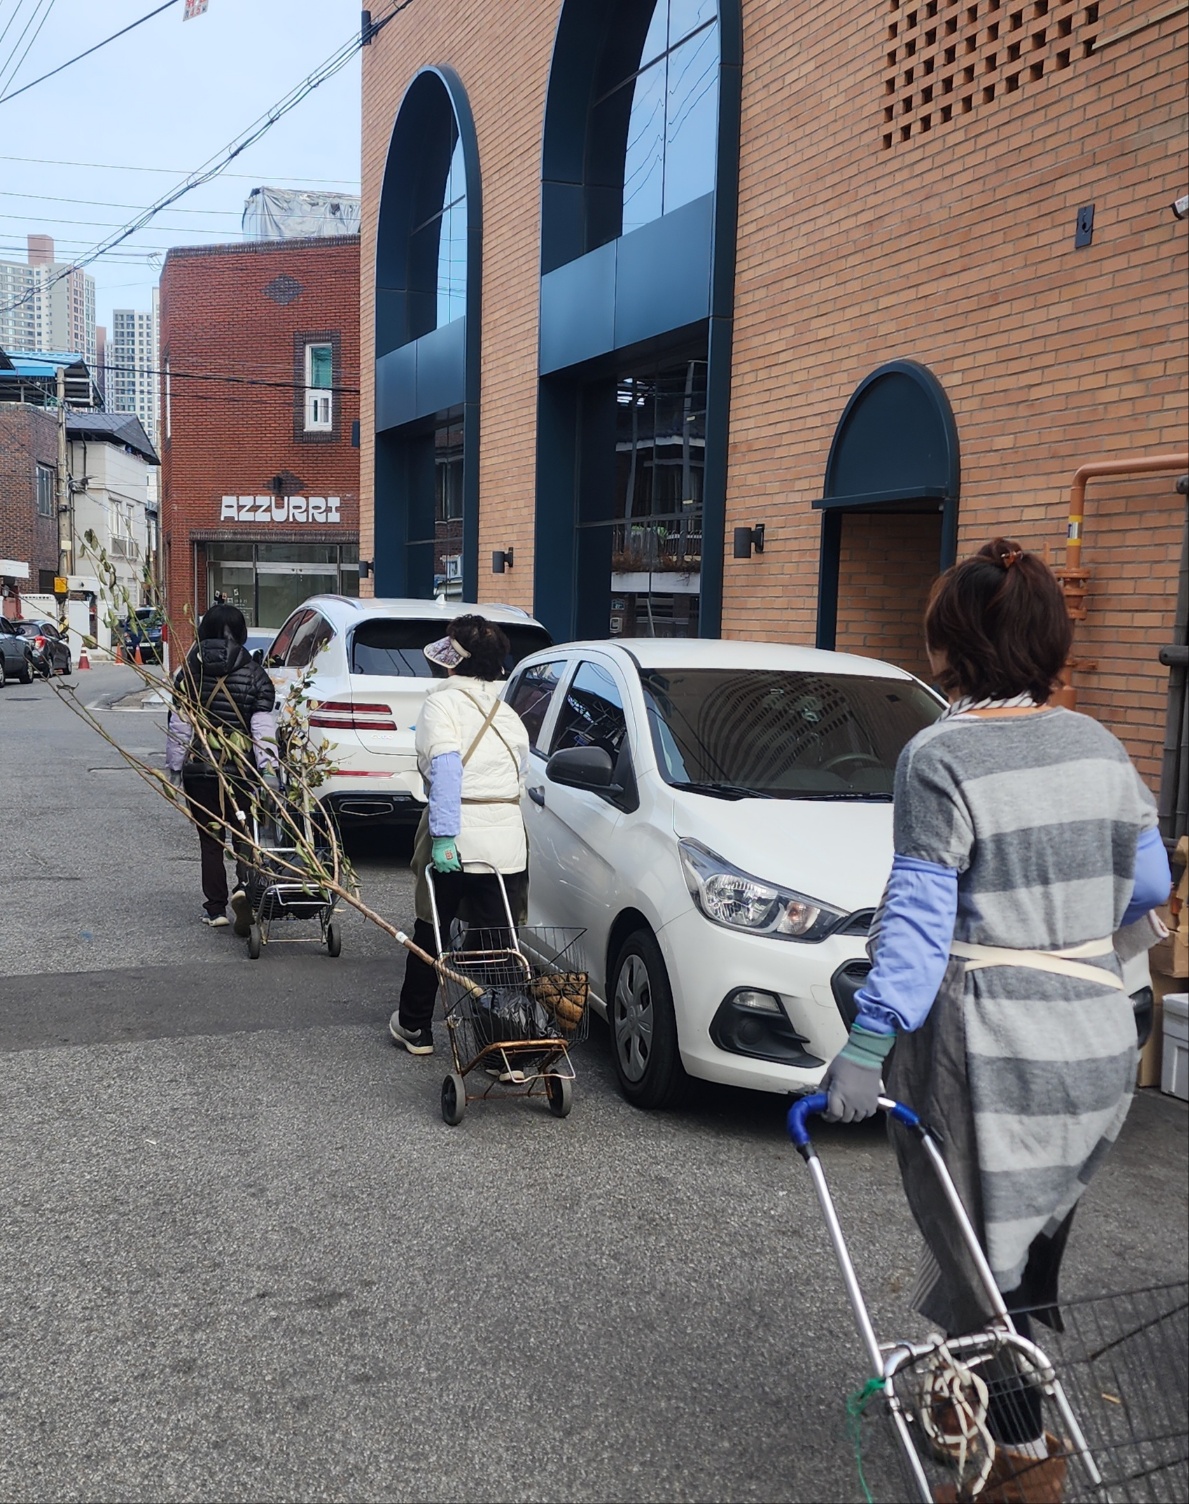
(739, 901)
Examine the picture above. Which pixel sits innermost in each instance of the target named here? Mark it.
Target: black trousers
(473, 896)
(213, 802)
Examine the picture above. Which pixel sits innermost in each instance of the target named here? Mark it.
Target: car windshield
(393, 647)
(768, 734)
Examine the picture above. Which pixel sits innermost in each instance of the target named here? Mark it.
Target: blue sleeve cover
(912, 951)
(445, 794)
(1152, 877)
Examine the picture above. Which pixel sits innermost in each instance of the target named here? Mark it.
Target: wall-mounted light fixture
(502, 559)
(366, 567)
(747, 539)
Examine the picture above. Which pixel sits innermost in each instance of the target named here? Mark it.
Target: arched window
(653, 127)
(428, 262)
(638, 222)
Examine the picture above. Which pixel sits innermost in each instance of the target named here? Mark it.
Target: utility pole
(65, 503)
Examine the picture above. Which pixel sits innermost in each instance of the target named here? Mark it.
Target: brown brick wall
(230, 438)
(28, 437)
(886, 566)
(955, 248)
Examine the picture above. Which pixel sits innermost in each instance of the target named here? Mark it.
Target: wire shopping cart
(295, 847)
(512, 1010)
(1111, 1390)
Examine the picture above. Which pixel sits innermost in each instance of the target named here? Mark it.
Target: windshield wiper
(721, 790)
(865, 796)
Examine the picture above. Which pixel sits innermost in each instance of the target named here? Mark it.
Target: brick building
(258, 432)
(28, 499)
(877, 277)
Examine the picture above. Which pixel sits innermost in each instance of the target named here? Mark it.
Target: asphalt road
(241, 1256)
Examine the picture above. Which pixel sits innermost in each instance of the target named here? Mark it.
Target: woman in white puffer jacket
(472, 750)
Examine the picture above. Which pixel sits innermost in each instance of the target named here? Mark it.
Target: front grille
(858, 923)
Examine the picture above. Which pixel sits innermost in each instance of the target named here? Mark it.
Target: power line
(4, 98)
(250, 177)
(289, 386)
(102, 203)
(107, 224)
(214, 166)
(44, 16)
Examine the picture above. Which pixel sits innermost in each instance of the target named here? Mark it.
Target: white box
(1174, 1076)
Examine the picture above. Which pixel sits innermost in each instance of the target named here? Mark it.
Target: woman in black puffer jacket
(237, 696)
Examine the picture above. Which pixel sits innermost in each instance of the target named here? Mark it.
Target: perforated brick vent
(943, 58)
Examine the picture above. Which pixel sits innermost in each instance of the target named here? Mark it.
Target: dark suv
(143, 630)
(50, 649)
(16, 656)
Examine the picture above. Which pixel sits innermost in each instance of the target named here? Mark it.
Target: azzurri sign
(317, 509)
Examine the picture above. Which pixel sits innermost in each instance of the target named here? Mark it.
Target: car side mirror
(583, 768)
(258, 655)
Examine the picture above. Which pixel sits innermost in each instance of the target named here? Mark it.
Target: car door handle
(537, 796)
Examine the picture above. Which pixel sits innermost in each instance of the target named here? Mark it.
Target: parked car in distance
(716, 819)
(143, 630)
(16, 655)
(258, 642)
(49, 648)
(366, 677)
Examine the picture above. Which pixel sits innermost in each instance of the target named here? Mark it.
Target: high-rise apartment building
(131, 380)
(46, 304)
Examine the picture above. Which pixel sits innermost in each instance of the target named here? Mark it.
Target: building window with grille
(319, 381)
(47, 486)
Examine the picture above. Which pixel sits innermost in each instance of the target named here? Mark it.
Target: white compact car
(717, 818)
(366, 678)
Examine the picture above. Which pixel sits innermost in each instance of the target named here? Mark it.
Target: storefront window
(655, 525)
(268, 581)
(448, 508)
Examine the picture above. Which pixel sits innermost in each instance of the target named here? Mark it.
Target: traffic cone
(139, 658)
(119, 658)
(83, 660)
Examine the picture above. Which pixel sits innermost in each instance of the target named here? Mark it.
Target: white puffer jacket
(492, 833)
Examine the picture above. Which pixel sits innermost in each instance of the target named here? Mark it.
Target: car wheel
(69, 668)
(3, 676)
(644, 1027)
(26, 673)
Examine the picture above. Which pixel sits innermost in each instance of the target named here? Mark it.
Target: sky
(151, 107)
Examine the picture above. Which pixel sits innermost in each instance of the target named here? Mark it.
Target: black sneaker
(242, 910)
(218, 921)
(416, 1041)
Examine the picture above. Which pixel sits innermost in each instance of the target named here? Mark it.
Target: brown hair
(487, 646)
(1001, 621)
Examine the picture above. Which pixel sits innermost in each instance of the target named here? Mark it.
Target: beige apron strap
(1059, 963)
(482, 732)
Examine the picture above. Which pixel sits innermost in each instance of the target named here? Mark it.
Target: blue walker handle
(806, 1107)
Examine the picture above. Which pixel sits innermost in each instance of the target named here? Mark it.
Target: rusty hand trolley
(1110, 1385)
(512, 1011)
(291, 830)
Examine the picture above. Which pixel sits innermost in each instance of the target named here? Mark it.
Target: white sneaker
(216, 921)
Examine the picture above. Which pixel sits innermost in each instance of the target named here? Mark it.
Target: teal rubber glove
(854, 1079)
(444, 855)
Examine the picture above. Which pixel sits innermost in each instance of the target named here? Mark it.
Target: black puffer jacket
(245, 690)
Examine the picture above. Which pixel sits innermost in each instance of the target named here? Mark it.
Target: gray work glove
(854, 1079)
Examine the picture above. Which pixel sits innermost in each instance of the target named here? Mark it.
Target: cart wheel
(255, 941)
(560, 1091)
(334, 940)
(454, 1099)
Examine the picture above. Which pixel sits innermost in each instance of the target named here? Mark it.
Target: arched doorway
(428, 314)
(889, 514)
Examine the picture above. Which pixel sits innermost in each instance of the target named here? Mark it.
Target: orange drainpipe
(1074, 579)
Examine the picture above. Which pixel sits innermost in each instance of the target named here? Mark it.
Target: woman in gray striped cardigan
(1024, 840)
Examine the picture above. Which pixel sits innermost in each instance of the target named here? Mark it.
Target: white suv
(717, 818)
(367, 677)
